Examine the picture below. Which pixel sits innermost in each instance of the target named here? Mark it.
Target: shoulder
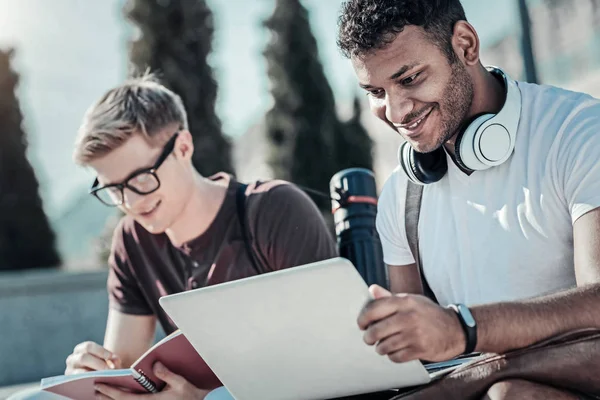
(556, 126)
(542, 95)
(555, 112)
(393, 194)
(274, 195)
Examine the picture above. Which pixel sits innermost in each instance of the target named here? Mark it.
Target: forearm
(129, 336)
(512, 325)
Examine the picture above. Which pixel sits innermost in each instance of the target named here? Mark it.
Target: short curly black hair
(367, 25)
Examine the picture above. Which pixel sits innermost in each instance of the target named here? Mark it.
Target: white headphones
(488, 141)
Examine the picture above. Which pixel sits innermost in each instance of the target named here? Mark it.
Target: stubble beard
(455, 105)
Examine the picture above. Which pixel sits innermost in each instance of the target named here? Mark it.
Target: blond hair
(141, 105)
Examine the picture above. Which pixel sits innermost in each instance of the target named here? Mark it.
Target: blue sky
(70, 51)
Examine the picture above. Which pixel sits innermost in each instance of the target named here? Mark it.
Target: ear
(184, 145)
(465, 42)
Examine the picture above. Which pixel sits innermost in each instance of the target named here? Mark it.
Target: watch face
(467, 316)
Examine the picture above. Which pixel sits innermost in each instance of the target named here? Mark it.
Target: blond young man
(180, 230)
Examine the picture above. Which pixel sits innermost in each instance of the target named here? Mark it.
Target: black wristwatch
(468, 324)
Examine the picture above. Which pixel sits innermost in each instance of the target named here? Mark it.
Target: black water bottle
(354, 205)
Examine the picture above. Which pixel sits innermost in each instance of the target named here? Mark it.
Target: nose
(130, 199)
(397, 107)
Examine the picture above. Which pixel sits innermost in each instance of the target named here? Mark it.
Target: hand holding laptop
(289, 335)
(293, 334)
(408, 327)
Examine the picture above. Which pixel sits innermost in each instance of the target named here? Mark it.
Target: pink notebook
(174, 351)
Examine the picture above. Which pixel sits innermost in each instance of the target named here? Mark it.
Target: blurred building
(566, 45)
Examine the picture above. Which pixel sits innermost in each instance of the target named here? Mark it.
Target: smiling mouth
(151, 210)
(413, 128)
(415, 123)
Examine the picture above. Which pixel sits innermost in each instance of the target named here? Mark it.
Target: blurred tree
(26, 238)
(175, 39)
(354, 147)
(302, 125)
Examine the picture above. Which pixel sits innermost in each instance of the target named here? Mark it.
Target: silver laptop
(289, 335)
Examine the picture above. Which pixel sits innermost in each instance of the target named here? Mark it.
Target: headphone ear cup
(432, 166)
(459, 160)
(422, 168)
(464, 150)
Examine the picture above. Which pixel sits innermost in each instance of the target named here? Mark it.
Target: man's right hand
(90, 356)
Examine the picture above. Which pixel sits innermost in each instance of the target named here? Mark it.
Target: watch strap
(468, 324)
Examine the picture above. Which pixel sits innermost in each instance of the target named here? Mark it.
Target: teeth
(415, 124)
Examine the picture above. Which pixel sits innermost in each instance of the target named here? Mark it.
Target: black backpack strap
(240, 202)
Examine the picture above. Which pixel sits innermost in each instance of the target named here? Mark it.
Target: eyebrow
(395, 75)
(128, 177)
(402, 71)
(137, 171)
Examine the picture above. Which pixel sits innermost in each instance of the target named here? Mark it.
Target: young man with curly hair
(509, 227)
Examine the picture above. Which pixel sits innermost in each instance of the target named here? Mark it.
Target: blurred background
(268, 95)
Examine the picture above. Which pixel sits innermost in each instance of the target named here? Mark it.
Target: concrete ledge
(7, 391)
(35, 282)
(43, 315)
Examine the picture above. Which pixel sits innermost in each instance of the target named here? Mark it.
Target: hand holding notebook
(175, 352)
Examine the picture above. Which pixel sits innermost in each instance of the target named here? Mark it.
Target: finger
(74, 371)
(104, 391)
(404, 355)
(101, 396)
(94, 349)
(89, 361)
(378, 292)
(378, 309)
(393, 344)
(114, 393)
(170, 378)
(385, 328)
(76, 363)
(114, 362)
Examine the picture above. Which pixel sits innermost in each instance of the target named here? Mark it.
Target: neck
(488, 97)
(199, 212)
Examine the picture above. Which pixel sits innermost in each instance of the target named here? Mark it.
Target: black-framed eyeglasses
(143, 181)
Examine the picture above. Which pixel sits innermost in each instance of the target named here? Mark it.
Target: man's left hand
(409, 327)
(177, 388)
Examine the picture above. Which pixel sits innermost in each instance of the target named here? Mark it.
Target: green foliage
(26, 238)
(174, 42)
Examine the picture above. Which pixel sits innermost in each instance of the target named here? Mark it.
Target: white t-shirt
(506, 233)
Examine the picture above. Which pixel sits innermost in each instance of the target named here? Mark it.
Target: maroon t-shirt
(286, 228)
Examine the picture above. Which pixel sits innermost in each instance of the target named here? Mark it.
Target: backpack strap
(412, 211)
(240, 202)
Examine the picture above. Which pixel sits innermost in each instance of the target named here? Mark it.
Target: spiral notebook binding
(144, 381)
